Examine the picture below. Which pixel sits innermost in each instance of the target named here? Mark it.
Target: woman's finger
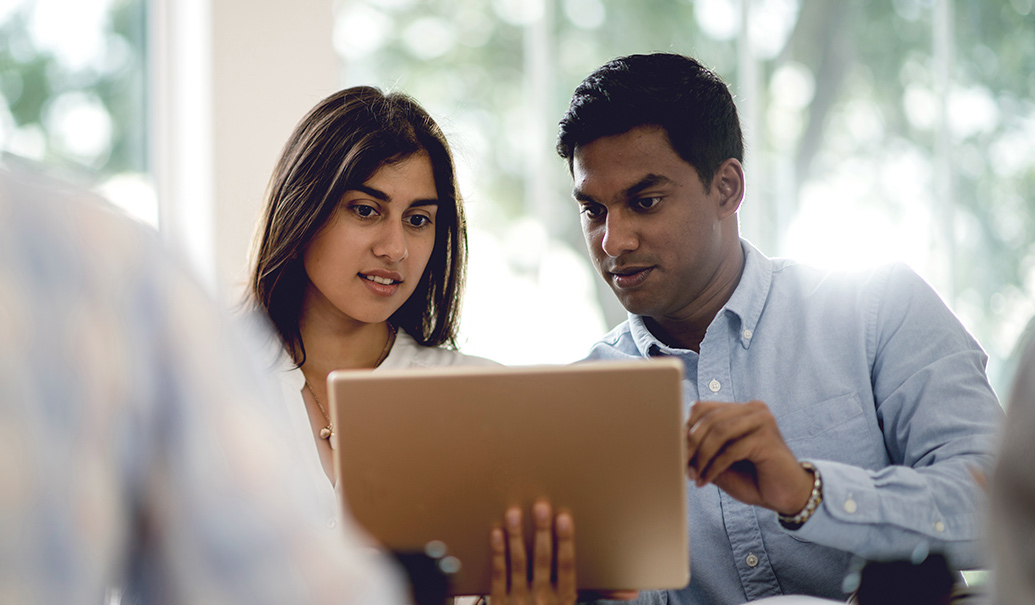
(518, 560)
(564, 528)
(498, 590)
(542, 559)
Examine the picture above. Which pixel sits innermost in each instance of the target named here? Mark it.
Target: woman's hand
(553, 549)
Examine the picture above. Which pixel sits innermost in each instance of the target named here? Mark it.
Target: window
(877, 131)
(72, 93)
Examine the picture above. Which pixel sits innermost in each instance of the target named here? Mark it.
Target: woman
(362, 250)
(360, 264)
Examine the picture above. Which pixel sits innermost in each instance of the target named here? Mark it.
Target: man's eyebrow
(651, 180)
(384, 197)
(581, 197)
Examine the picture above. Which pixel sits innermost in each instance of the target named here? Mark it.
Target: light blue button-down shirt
(870, 377)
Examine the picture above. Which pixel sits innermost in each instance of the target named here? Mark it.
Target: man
(141, 458)
(835, 414)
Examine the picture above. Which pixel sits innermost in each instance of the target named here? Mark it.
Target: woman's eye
(418, 220)
(364, 211)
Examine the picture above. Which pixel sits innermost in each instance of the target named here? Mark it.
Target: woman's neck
(339, 345)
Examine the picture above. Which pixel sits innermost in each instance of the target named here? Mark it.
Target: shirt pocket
(832, 429)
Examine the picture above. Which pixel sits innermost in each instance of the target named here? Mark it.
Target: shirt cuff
(849, 496)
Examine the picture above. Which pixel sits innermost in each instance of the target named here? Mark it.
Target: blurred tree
(989, 111)
(54, 92)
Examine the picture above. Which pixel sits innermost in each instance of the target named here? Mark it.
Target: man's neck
(687, 330)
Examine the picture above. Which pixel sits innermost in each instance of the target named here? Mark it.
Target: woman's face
(367, 259)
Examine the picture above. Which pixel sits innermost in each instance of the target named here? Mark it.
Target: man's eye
(646, 203)
(592, 211)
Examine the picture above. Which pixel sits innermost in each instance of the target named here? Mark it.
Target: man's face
(652, 228)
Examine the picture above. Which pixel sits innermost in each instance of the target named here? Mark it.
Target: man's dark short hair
(675, 92)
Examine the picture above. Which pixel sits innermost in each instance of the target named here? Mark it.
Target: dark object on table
(929, 582)
(429, 572)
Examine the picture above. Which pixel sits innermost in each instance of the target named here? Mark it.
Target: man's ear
(729, 181)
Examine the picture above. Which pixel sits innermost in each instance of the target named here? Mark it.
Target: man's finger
(716, 435)
(700, 408)
(723, 461)
(704, 415)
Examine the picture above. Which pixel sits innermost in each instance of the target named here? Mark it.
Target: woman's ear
(729, 181)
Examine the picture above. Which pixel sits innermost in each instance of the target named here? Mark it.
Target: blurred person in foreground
(139, 446)
(831, 414)
(1012, 515)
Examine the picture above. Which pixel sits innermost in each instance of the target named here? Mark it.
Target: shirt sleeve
(939, 418)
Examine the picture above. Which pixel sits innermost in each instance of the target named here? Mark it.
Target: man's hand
(738, 447)
(510, 585)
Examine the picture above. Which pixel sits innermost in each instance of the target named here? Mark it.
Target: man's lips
(631, 277)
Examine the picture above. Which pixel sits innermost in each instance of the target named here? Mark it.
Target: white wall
(231, 79)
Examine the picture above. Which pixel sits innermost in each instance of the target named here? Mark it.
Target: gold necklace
(328, 431)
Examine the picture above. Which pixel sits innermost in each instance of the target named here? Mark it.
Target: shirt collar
(749, 298)
(746, 304)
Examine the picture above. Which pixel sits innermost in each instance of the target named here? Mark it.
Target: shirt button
(331, 523)
(751, 560)
(851, 506)
(714, 386)
(747, 334)
(939, 527)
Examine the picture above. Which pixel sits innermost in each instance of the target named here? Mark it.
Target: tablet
(438, 454)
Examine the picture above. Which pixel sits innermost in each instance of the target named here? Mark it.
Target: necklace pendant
(326, 432)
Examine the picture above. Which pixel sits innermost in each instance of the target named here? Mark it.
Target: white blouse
(405, 353)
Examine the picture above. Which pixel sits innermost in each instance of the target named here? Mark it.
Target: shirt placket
(715, 383)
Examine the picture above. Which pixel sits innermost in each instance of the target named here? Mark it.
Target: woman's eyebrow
(384, 197)
(374, 193)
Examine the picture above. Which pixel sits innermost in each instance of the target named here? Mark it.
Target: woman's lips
(386, 281)
(382, 284)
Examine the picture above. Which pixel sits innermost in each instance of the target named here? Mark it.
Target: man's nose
(619, 236)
